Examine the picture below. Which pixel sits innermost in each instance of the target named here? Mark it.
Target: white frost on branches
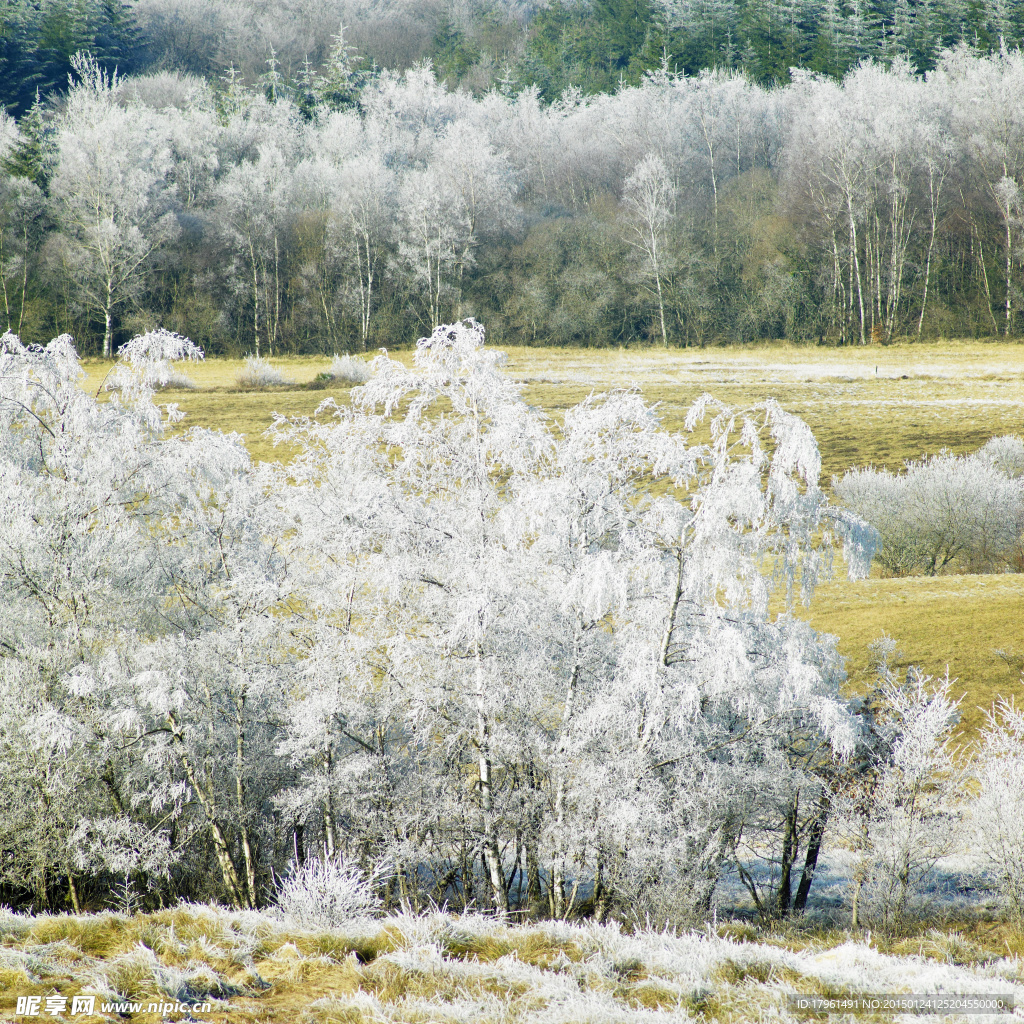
(451, 636)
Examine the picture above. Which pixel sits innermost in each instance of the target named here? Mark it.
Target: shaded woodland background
(258, 178)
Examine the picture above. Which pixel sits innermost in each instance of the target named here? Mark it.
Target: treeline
(348, 210)
(593, 45)
(599, 46)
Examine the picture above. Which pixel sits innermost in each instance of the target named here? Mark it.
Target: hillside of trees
(267, 183)
(593, 45)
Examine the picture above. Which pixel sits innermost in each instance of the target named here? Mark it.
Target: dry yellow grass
(437, 968)
(871, 405)
(865, 405)
(954, 622)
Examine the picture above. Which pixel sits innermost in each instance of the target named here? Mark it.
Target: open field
(954, 622)
(865, 405)
(442, 969)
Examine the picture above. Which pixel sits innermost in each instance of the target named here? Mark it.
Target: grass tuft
(649, 995)
(736, 972)
(102, 935)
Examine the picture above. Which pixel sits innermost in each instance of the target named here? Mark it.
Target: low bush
(349, 369)
(327, 893)
(258, 373)
(946, 512)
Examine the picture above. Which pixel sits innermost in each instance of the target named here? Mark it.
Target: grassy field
(442, 969)
(865, 405)
(869, 405)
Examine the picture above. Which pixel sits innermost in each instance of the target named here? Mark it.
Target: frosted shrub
(348, 368)
(327, 893)
(258, 373)
(177, 379)
(997, 815)
(946, 512)
(1006, 454)
(146, 362)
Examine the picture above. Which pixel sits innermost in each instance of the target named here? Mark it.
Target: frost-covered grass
(473, 969)
(867, 405)
(326, 893)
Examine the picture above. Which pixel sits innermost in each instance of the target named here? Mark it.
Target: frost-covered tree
(897, 812)
(695, 644)
(435, 232)
(108, 190)
(997, 812)
(84, 483)
(456, 560)
(350, 194)
(1006, 453)
(252, 210)
(601, 664)
(648, 198)
(141, 651)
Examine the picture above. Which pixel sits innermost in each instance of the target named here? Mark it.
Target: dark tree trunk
(814, 838)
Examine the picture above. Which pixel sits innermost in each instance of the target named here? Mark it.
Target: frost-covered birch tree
(83, 482)
(648, 198)
(599, 663)
(253, 206)
(108, 192)
(997, 815)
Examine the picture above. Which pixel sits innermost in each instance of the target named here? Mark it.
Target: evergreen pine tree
(305, 93)
(998, 24)
(826, 55)
(340, 82)
(115, 39)
(20, 73)
(927, 40)
(232, 95)
(33, 155)
(902, 37)
(272, 80)
(857, 39)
